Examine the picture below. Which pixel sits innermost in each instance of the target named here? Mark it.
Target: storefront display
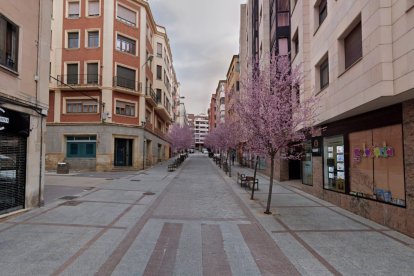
(334, 163)
(377, 164)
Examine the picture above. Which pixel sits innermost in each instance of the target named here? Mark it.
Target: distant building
(233, 87)
(199, 125)
(113, 91)
(221, 102)
(212, 113)
(24, 80)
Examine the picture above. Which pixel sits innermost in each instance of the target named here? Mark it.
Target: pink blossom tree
(181, 137)
(272, 114)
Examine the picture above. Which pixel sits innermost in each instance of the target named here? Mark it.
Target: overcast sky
(204, 35)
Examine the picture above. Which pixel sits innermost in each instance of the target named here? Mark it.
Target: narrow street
(197, 221)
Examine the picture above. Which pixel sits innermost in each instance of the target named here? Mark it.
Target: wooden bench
(251, 183)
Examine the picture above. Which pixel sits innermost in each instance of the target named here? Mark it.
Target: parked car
(205, 151)
(191, 150)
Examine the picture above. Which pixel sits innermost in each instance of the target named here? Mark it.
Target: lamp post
(143, 144)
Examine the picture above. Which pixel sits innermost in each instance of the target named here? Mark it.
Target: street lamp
(143, 123)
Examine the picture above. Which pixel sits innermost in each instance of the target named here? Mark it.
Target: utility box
(62, 168)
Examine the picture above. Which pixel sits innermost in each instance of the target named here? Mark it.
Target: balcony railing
(79, 80)
(127, 84)
(149, 92)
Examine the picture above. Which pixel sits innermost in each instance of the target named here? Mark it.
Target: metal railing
(151, 93)
(79, 80)
(127, 84)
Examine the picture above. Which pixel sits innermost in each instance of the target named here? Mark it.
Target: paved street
(196, 221)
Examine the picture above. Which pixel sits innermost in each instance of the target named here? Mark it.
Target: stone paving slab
(119, 196)
(287, 200)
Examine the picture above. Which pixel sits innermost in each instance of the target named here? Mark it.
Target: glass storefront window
(377, 164)
(307, 175)
(334, 163)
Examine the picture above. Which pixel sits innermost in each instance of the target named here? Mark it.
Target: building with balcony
(24, 75)
(111, 86)
(355, 57)
(221, 101)
(212, 113)
(233, 87)
(199, 125)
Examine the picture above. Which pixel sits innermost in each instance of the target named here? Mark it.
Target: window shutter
(93, 8)
(73, 8)
(126, 73)
(283, 46)
(353, 46)
(127, 14)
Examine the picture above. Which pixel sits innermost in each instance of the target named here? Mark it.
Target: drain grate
(68, 197)
(71, 203)
(148, 193)
(135, 180)
(109, 179)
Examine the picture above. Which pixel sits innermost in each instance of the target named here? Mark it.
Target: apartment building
(24, 74)
(221, 101)
(199, 125)
(111, 86)
(212, 113)
(355, 56)
(233, 87)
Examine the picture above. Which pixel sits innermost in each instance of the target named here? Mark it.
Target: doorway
(123, 152)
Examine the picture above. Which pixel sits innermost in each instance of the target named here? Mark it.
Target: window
(72, 73)
(9, 43)
(283, 46)
(93, 8)
(73, 9)
(81, 106)
(73, 40)
(323, 11)
(324, 74)
(81, 146)
(283, 13)
(92, 73)
(93, 39)
(159, 50)
(127, 16)
(334, 163)
(124, 108)
(125, 77)
(126, 45)
(295, 41)
(159, 95)
(353, 46)
(159, 72)
(237, 85)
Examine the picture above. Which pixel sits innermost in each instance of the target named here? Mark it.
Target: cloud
(204, 36)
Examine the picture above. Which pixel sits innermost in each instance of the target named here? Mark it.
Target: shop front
(14, 130)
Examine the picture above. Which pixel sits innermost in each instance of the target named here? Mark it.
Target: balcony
(126, 84)
(79, 80)
(150, 96)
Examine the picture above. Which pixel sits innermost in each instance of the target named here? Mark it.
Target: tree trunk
(269, 198)
(254, 176)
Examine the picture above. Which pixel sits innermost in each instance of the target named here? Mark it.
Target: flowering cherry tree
(181, 137)
(272, 116)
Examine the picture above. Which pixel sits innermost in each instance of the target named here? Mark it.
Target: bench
(251, 183)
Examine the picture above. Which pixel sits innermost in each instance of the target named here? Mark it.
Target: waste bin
(62, 168)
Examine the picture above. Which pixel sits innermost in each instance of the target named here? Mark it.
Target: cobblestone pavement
(197, 221)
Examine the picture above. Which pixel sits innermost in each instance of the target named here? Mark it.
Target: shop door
(294, 169)
(123, 152)
(12, 172)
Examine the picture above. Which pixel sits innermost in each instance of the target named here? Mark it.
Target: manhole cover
(148, 193)
(68, 197)
(71, 203)
(135, 180)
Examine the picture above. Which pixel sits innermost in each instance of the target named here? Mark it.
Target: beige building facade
(24, 75)
(355, 56)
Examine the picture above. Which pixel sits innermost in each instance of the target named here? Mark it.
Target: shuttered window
(125, 77)
(126, 15)
(92, 76)
(93, 39)
(125, 44)
(73, 40)
(353, 46)
(81, 106)
(124, 108)
(159, 50)
(9, 43)
(93, 8)
(324, 74)
(72, 74)
(73, 9)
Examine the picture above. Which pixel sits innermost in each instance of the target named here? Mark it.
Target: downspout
(40, 202)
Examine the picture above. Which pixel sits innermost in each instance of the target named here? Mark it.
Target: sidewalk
(320, 238)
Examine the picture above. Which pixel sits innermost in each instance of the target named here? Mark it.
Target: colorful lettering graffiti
(373, 152)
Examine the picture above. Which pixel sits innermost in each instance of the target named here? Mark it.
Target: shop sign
(317, 146)
(14, 122)
(373, 152)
